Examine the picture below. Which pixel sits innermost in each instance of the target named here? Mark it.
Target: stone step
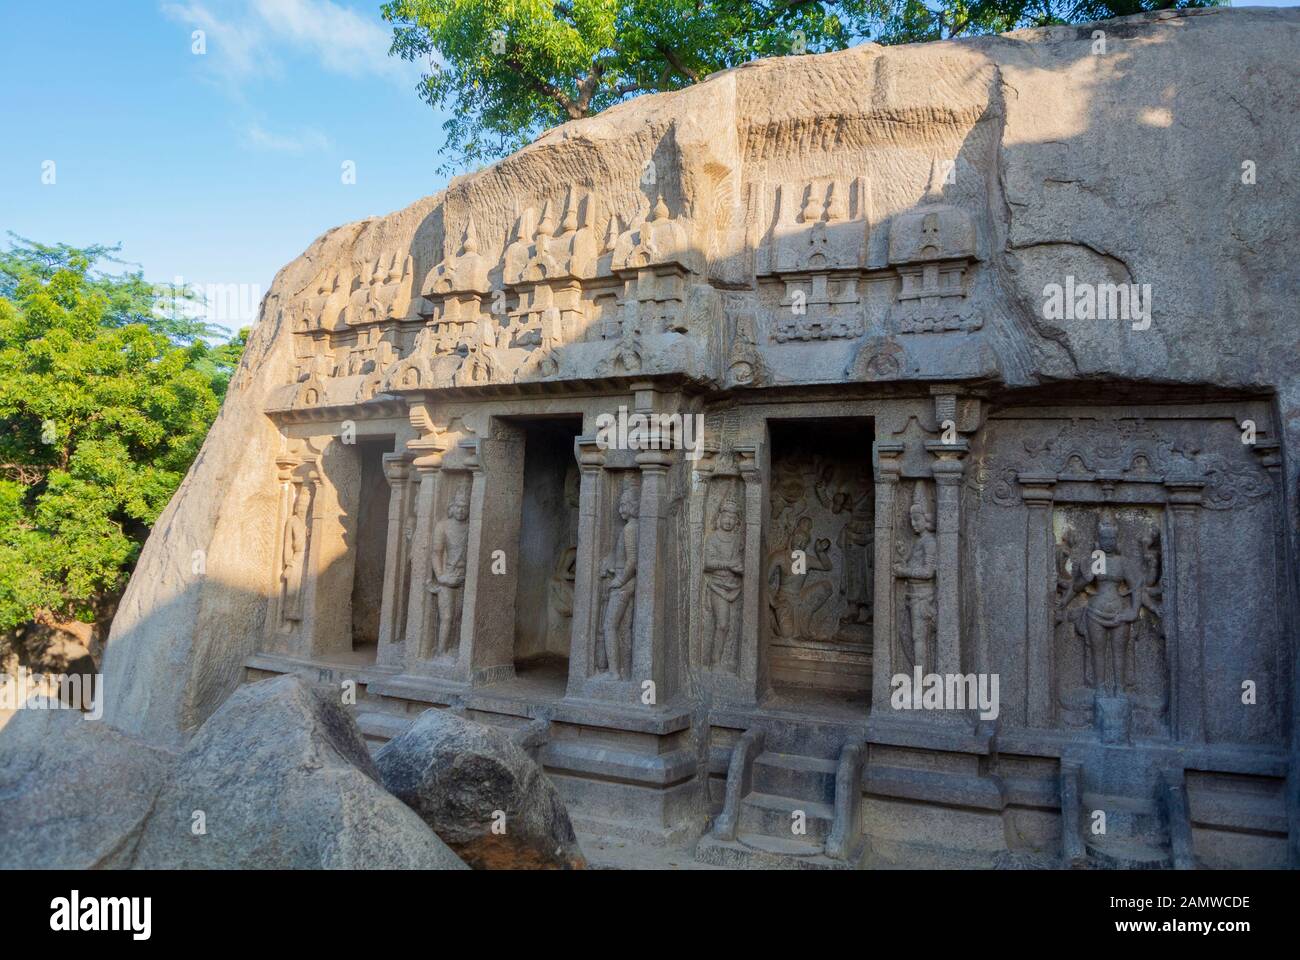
(754, 851)
(789, 775)
(1126, 817)
(769, 814)
(378, 727)
(1126, 854)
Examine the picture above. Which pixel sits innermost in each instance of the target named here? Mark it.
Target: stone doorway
(370, 545)
(818, 576)
(548, 550)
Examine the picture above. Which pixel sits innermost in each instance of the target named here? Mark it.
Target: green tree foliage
(507, 69)
(107, 388)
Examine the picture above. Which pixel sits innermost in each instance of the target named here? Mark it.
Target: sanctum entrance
(818, 580)
(548, 551)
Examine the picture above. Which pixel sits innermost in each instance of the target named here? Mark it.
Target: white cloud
(301, 141)
(252, 36)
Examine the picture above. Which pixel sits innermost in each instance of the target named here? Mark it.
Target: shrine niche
(814, 250)
(915, 568)
(618, 576)
(819, 570)
(1110, 615)
(933, 249)
(548, 548)
(447, 566)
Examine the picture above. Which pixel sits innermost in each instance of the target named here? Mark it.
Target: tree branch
(677, 64)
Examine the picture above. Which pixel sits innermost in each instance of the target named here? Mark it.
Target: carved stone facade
(848, 455)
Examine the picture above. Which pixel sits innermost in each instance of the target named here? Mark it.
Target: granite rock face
(940, 322)
(74, 793)
(480, 793)
(279, 777)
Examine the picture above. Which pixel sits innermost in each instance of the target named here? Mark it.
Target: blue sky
(219, 167)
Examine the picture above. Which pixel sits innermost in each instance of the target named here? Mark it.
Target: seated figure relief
(794, 601)
(821, 511)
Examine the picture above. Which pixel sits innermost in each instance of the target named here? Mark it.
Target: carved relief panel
(819, 569)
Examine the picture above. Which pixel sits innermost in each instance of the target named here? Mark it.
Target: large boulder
(481, 793)
(279, 777)
(74, 793)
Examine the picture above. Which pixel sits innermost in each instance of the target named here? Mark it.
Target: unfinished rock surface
(278, 778)
(480, 793)
(74, 792)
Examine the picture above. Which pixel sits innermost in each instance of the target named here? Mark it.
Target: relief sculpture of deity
(1116, 588)
(856, 541)
(794, 602)
(918, 571)
(724, 568)
(450, 546)
(559, 613)
(296, 533)
(619, 575)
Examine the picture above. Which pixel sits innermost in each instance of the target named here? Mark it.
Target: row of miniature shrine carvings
(559, 281)
(609, 571)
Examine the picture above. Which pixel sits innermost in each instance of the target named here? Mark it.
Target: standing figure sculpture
(794, 604)
(1108, 615)
(450, 546)
(294, 559)
(559, 609)
(620, 576)
(724, 566)
(856, 539)
(919, 572)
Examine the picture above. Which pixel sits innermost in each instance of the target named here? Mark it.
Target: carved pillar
(747, 460)
(649, 637)
(420, 606)
(1038, 494)
(285, 466)
(948, 470)
(392, 611)
(487, 638)
(1186, 653)
(586, 582)
(888, 462)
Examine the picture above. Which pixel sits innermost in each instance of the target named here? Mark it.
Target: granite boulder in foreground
(480, 793)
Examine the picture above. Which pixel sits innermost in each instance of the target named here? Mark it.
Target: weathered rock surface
(283, 780)
(461, 777)
(1119, 166)
(74, 793)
